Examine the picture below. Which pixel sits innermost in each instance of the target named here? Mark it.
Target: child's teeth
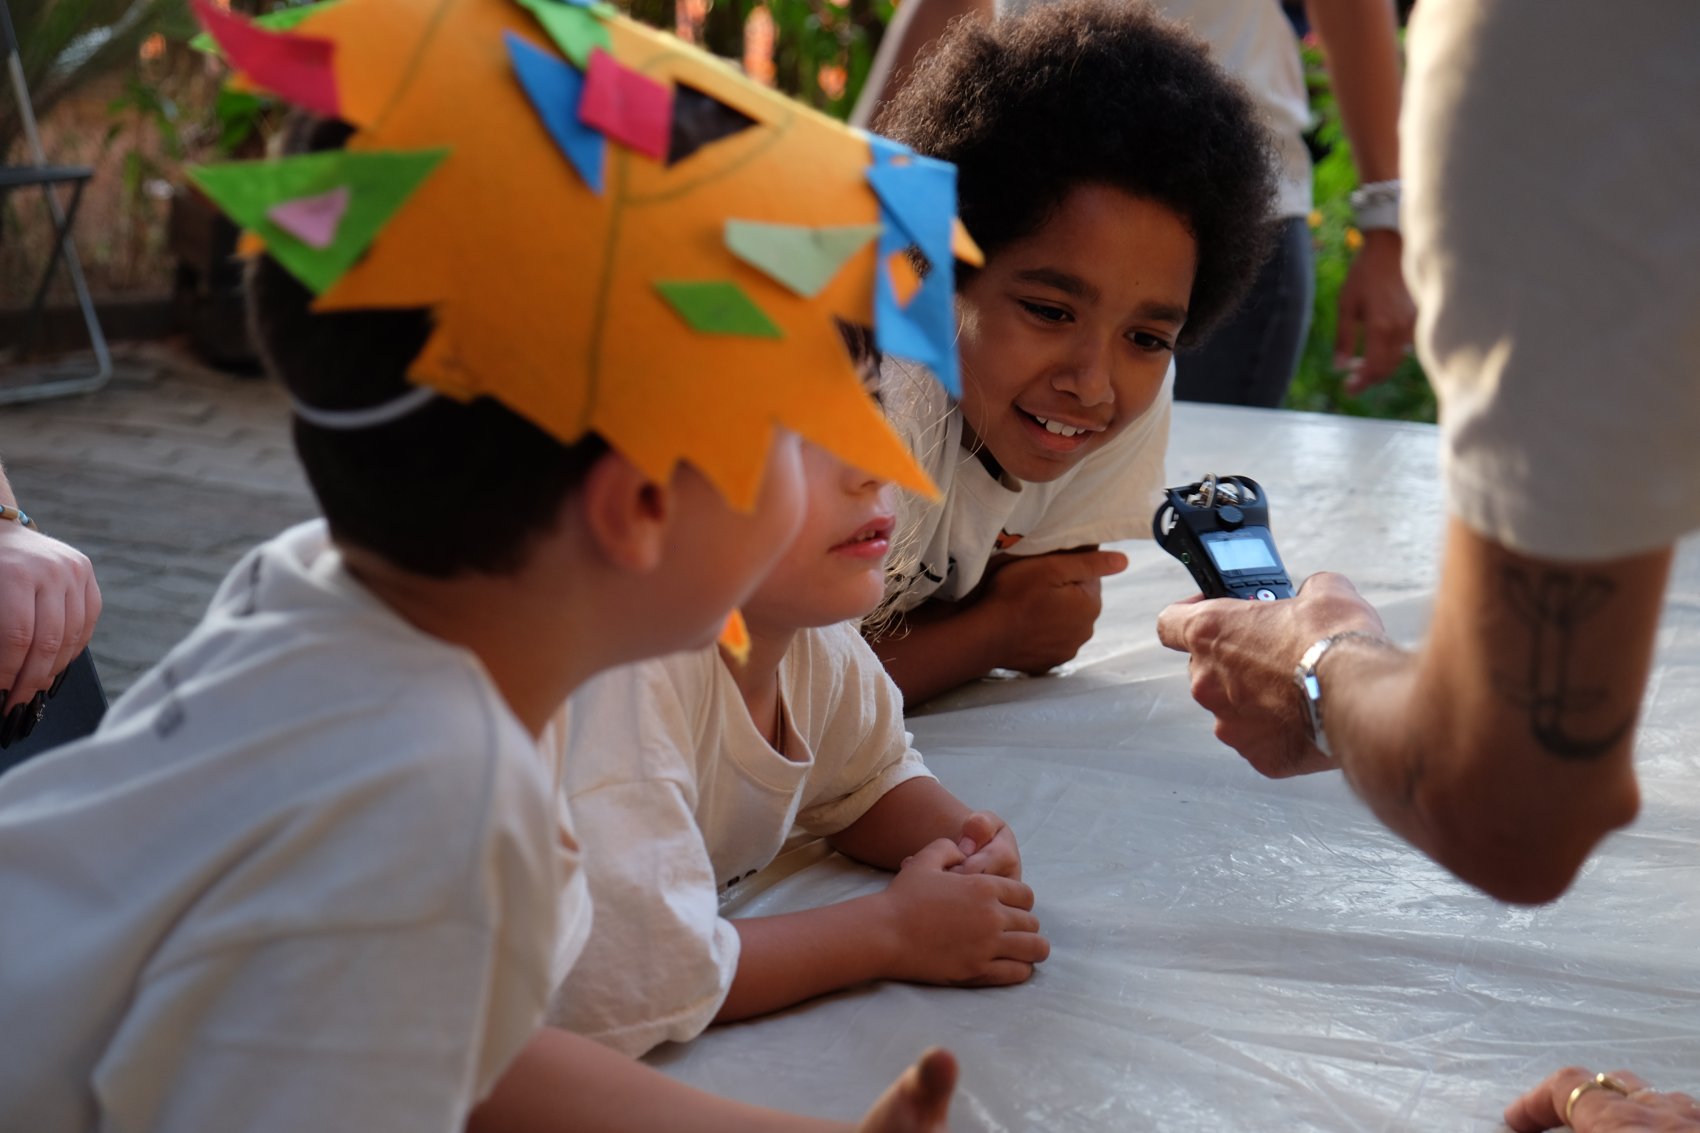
(1057, 427)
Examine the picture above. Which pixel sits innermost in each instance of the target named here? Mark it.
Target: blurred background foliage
(151, 104)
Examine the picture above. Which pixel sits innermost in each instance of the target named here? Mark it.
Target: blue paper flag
(925, 330)
(920, 196)
(554, 88)
(885, 150)
(918, 207)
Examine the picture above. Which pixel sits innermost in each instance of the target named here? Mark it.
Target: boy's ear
(625, 513)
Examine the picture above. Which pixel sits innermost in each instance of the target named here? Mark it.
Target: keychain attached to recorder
(1219, 529)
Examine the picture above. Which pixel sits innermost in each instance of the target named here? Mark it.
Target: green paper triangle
(378, 183)
(803, 259)
(576, 30)
(718, 307)
(281, 20)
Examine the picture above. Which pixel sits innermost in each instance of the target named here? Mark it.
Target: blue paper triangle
(925, 330)
(554, 88)
(920, 197)
(917, 198)
(885, 150)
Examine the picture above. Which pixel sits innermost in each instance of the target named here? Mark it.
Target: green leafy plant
(66, 44)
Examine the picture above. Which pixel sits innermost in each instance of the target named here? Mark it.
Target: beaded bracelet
(16, 515)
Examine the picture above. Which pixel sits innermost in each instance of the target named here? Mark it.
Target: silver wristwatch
(1376, 206)
(1311, 686)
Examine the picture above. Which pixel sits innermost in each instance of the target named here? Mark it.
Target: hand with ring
(1618, 1102)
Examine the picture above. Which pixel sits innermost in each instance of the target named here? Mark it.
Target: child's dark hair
(1096, 92)
(446, 489)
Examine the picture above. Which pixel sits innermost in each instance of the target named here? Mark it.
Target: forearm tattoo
(1553, 606)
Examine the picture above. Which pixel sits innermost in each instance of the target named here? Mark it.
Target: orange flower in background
(758, 46)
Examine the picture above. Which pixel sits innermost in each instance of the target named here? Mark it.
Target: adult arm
(914, 28)
(1033, 613)
(1376, 313)
(563, 1082)
(49, 604)
(1501, 748)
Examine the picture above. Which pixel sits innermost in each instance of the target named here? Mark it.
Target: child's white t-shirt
(677, 796)
(305, 876)
(943, 547)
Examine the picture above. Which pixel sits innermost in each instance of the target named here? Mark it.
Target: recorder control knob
(1230, 516)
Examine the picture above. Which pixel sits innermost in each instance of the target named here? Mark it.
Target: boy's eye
(1044, 311)
(1147, 341)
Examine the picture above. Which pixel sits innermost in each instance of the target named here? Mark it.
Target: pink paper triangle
(312, 220)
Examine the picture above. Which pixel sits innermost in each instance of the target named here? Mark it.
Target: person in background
(1252, 358)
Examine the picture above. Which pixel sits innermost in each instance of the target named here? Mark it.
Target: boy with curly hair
(1120, 186)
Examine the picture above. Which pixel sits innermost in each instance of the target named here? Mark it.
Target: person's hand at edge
(919, 1101)
(1377, 317)
(1624, 1102)
(49, 603)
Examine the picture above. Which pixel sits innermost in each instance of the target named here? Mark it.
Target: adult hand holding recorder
(1502, 747)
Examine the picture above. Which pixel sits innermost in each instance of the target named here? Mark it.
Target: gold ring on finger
(1600, 1081)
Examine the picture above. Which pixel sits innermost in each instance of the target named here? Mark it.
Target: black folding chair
(48, 379)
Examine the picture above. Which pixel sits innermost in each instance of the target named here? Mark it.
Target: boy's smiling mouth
(1057, 435)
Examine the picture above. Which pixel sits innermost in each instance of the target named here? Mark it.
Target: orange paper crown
(616, 232)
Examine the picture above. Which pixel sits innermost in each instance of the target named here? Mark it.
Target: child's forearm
(564, 1082)
(939, 646)
(786, 959)
(906, 818)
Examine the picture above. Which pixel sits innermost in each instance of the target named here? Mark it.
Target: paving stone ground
(164, 478)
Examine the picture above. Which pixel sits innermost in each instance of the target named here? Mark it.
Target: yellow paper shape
(905, 280)
(735, 637)
(544, 292)
(962, 245)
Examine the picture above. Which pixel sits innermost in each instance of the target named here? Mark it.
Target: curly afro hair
(1096, 92)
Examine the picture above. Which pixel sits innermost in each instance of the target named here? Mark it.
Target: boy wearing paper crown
(552, 327)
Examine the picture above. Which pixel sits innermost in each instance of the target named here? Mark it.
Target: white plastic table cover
(1235, 953)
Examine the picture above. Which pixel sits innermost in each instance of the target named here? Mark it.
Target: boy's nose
(1087, 375)
(859, 482)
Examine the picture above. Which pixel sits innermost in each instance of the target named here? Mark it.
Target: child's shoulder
(298, 687)
(644, 721)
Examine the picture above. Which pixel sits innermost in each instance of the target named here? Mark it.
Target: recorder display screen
(1240, 554)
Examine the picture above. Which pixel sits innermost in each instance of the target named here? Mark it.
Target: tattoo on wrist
(1553, 605)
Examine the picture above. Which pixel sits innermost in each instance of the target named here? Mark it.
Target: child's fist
(965, 929)
(988, 846)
